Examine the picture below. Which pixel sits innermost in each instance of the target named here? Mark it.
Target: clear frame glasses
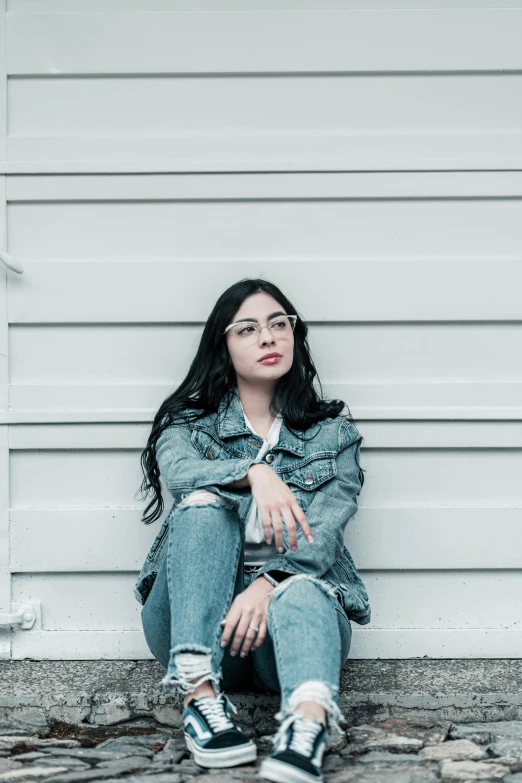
(248, 331)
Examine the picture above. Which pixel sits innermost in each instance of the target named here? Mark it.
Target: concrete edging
(105, 692)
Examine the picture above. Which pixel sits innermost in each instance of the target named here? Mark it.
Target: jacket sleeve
(181, 465)
(334, 503)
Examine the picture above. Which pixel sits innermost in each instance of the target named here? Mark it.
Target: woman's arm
(182, 467)
(245, 481)
(334, 503)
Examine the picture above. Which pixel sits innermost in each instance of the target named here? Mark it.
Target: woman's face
(246, 351)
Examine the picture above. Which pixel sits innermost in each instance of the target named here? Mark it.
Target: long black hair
(211, 375)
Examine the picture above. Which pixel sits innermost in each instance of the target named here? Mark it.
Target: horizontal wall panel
(76, 602)
(90, 539)
(375, 364)
(407, 290)
(264, 106)
(422, 537)
(127, 434)
(397, 643)
(239, 42)
(367, 643)
(270, 152)
(468, 121)
(472, 616)
(80, 645)
(84, 6)
(152, 189)
(444, 600)
(448, 599)
(396, 476)
(134, 402)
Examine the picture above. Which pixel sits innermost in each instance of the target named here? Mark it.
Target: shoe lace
(304, 733)
(214, 711)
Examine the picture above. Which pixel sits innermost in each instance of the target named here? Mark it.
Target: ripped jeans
(308, 633)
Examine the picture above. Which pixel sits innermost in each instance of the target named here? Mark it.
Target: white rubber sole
(279, 772)
(225, 757)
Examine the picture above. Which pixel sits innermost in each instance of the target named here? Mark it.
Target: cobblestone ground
(142, 751)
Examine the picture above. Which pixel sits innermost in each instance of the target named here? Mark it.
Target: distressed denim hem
(325, 694)
(183, 669)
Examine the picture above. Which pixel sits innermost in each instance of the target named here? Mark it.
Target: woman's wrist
(266, 582)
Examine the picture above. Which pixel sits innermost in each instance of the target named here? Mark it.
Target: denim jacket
(321, 471)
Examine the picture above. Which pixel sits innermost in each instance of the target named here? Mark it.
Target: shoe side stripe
(202, 734)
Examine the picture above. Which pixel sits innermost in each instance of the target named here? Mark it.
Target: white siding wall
(367, 159)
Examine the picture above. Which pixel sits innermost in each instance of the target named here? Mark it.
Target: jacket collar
(233, 423)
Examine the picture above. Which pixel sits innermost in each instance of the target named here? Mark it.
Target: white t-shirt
(257, 555)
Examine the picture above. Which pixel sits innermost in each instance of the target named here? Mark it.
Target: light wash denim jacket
(321, 472)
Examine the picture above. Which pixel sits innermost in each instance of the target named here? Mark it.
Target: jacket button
(308, 479)
(210, 455)
(269, 457)
(343, 586)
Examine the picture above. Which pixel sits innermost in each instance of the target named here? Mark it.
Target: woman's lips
(271, 360)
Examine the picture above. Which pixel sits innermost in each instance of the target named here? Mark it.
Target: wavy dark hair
(211, 375)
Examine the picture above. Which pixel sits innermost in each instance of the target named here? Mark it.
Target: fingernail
(267, 540)
(310, 537)
(280, 549)
(223, 644)
(243, 654)
(232, 653)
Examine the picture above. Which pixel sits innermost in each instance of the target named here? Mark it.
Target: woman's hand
(249, 608)
(275, 500)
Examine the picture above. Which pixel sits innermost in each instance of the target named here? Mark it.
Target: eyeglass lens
(280, 326)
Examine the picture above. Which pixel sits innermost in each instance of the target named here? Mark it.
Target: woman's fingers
(302, 520)
(292, 515)
(231, 620)
(277, 526)
(261, 634)
(243, 632)
(288, 517)
(267, 524)
(252, 634)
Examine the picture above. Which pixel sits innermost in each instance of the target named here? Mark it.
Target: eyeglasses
(248, 331)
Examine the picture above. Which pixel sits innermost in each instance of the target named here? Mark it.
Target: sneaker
(212, 738)
(298, 751)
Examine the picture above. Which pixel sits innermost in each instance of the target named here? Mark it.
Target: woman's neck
(256, 406)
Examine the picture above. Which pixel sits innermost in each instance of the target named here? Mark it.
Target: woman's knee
(302, 590)
(205, 498)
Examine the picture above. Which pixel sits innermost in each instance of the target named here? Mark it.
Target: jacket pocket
(207, 446)
(306, 477)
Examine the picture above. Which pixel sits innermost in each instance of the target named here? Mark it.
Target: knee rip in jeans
(201, 497)
(324, 586)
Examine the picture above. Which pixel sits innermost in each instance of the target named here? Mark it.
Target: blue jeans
(308, 633)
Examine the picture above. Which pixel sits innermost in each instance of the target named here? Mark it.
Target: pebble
(409, 750)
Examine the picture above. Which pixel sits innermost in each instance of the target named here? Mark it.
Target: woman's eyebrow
(278, 312)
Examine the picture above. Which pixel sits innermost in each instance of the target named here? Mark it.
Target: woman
(251, 558)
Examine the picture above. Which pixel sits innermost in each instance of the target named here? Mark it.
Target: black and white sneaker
(297, 756)
(212, 738)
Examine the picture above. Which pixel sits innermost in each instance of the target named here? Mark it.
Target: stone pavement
(141, 750)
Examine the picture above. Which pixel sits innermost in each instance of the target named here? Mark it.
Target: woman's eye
(244, 330)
